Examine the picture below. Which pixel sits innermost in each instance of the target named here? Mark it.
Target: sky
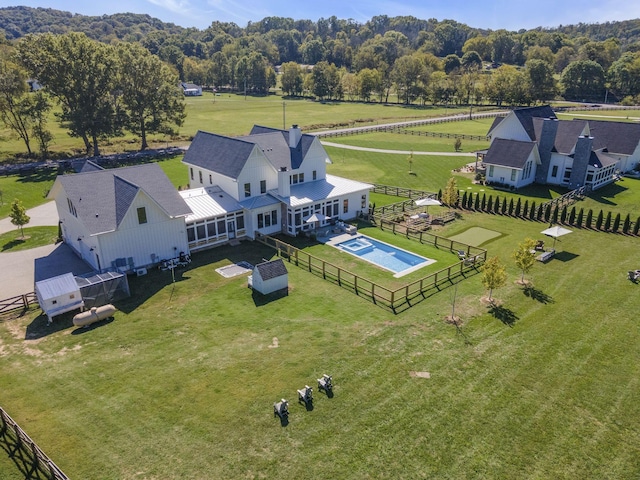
(490, 14)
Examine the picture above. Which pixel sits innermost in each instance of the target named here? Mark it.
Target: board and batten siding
(158, 236)
(256, 168)
(510, 128)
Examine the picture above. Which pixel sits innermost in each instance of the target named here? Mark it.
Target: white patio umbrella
(555, 232)
(425, 202)
(316, 217)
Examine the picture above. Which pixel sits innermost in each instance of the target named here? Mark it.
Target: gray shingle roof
(601, 159)
(103, 197)
(224, 155)
(496, 122)
(228, 155)
(509, 153)
(272, 269)
(566, 135)
(615, 137)
(526, 115)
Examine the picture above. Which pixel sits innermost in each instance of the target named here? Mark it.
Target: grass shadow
(565, 256)
(13, 244)
(505, 315)
(93, 326)
(39, 328)
(261, 300)
(603, 195)
(537, 294)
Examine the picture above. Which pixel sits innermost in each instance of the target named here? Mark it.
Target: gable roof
(567, 133)
(103, 197)
(509, 153)
(224, 155)
(526, 115)
(600, 159)
(269, 139)
(271, 269)
(496, 122)
(228, 155)
(615, 137)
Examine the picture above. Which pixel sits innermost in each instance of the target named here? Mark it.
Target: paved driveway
(20, 270)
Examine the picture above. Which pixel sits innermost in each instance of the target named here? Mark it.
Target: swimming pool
(384, 255)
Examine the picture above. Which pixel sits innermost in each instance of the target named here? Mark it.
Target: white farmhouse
(270, 181)
(123, 218)
(531, 145)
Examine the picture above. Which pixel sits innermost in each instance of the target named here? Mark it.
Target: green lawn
(393, 141)
(31, 190)
(181, 384)
(33, 237)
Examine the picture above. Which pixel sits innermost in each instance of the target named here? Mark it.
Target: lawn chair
(305, 395)
(325, 383)
(281, 409)
(462, 254)
(540, 246)
(634, 275)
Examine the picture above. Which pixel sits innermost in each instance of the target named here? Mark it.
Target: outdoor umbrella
(316, 217)
(425, 202)
(555, 232)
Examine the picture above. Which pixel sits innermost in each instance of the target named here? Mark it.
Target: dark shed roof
(272, 269)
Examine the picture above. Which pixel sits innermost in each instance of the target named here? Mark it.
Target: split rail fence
(398, 299)
(25, 453)
(18, 302)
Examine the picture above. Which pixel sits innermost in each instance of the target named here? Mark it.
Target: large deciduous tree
(80, 74)
(149, 91)
(583, 79)
(542, 85)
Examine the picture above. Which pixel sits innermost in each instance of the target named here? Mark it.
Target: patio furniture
(462, 254)
(546, 256)
(325, 383)
(351, 229)
(634, 275)
(281, 409)
(540, 246)
(305, 395)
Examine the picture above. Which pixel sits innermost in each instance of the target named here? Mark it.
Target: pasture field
(181, 384)
(391, 141)
(232, 114)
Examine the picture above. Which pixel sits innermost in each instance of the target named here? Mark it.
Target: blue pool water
(384, 255)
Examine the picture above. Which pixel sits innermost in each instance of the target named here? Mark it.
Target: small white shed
(269, 277)
(57, 295)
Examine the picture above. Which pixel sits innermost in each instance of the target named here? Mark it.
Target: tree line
(102, 90)
(544, 212)
(121, 75)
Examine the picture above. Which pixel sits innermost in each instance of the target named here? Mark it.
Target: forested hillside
(399, 59)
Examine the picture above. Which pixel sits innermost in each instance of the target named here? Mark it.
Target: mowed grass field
(181, 384)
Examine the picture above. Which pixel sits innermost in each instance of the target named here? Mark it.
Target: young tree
(18, 215)
(150, 94)
(410, 160)
(524, 256)
(494, 275)
(451, 195)
(457, 144)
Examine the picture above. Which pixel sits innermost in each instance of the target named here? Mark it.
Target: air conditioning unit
(141, 271)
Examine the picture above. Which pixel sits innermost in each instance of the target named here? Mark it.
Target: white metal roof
(332, 187)
(57, 286)
(208, 202)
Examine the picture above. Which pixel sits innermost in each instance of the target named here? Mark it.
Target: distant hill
(20, 21)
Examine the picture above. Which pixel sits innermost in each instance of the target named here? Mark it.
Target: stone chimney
(284, 187)
(581, 158)
(295, 134)
(545, 145)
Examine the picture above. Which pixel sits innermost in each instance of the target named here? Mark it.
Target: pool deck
(333, 239)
